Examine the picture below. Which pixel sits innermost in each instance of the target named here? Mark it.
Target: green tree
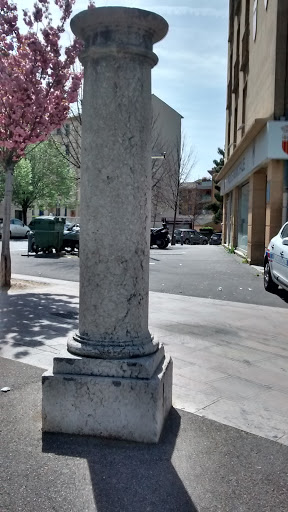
(216, 207)
(43, 178)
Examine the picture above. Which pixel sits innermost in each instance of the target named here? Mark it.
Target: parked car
(276, 262)
(216, 239)
(190, 237)
(17, 229)
(71, 238)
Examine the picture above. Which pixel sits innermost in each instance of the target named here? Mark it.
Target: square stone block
(138, 367)
(133, 409)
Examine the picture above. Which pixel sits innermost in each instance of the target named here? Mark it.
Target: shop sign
(277, 140)
(285, 138)
(237, 173)
(270, 144)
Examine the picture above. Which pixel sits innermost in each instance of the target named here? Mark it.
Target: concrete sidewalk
(230, 359)
(199, 465)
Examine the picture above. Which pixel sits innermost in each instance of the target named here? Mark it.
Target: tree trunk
(5, 254)
(24, 214)
(175, 213)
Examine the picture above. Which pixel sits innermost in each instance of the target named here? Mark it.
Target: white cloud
(197, 68)
(176, 10)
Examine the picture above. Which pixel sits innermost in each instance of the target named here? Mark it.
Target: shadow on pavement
(282, 294)
(129, 476)
(34, 320)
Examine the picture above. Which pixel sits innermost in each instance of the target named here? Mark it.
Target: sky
(191, 73)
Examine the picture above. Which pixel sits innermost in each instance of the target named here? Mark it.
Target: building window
(228, 219)
(228, 134)
(18, 214)
(245, 40)
(255, 19)
(58, 131)
(67, 149)
(244, 109)
(238, 40)
(67, 129)
(237, 7)
(247, 13)
(243, 205)
(268, 192)
(235, 124)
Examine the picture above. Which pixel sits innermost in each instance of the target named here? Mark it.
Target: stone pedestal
(115, 219)
(127, 399)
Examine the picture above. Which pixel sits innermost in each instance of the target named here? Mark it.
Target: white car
(17, 229)
(276, 262)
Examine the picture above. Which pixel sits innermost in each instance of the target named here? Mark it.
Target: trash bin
(48, 233)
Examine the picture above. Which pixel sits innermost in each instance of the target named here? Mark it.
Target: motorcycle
(160, 237)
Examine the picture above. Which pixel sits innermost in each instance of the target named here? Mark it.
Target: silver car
(17, 229)
(276, 262)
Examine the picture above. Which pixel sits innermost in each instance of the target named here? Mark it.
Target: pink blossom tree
(37, 86)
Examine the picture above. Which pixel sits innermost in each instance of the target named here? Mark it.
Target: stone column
(121, 385)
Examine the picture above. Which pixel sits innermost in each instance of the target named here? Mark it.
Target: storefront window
(228, 219)
(243, 217)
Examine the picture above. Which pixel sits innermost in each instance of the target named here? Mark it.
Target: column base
(127, 402)
(85, 347)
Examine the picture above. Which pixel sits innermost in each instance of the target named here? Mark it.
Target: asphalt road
(199, 271)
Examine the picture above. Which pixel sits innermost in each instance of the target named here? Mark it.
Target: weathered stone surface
(125, 408)
(115, 181)
(137, 367)
(122, 384)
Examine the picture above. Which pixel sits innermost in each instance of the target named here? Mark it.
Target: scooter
(160, 237)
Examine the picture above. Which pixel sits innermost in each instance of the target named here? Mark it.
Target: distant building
(166, 141)
(193, 197)
(254, 179)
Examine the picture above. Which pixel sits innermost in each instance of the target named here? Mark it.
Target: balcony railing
(245, 49)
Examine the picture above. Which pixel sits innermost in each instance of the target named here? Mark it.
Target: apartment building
(166, 141)
(254, 179)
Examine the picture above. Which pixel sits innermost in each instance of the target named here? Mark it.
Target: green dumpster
(48, 233)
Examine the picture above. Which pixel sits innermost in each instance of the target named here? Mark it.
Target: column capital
(117, 31)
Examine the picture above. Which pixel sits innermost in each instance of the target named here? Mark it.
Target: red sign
(285, 139)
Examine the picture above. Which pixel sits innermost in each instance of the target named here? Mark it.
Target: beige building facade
(254, 179)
